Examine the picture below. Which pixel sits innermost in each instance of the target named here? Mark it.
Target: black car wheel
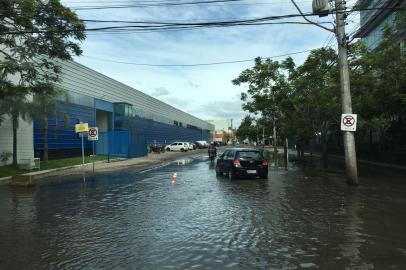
(231, 175)
(182, 150)
(168, 149)
(263, 176)
(218, 172)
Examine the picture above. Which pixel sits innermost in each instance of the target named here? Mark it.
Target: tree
(246, 128)
(379, 82)
(267, 82)
(34, 36)
(15, 106)
(42, 108)
(316, 96)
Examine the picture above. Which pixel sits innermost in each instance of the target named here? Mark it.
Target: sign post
(82, 129)
(93, 135)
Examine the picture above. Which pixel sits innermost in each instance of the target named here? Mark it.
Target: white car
(202, 144)
(177, 146)
(190, 145)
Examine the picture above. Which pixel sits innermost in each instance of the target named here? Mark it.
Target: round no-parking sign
(348, 122)
(93, 134)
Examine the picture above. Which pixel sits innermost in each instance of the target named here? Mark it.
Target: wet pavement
(296, 219)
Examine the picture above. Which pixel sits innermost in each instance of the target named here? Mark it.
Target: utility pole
(232, 133)
(348, 136)
(321, 7)
(275, 148)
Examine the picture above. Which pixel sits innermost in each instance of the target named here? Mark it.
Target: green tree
(246, 128)
(267, 82)
(316, 97)
(42, 108)
(15, 106)
(378, 80)
(34, 36)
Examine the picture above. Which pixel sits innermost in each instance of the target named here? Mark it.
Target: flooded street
(141, 220)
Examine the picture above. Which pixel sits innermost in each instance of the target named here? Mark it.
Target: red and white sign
(93, 134)
(348, 122)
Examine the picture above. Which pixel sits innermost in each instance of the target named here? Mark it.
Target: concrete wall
(25, 139)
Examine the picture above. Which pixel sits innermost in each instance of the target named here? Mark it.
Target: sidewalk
(141, 163)
(396, 167)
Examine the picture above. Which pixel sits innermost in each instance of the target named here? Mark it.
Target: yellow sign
(83, 127)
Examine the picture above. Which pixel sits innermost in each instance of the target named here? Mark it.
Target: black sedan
(242, 162)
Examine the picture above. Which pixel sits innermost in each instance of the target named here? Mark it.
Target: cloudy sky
(204, 91)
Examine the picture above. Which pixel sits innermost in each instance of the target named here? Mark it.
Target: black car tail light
(236, 163)
(265, 162)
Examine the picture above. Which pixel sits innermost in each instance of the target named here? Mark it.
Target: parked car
(190, 145)
(177, 146)
(202, 144)
(242, 162)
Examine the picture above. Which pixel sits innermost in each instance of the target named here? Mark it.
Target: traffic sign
(93, 134)
(82, 127)
(348, 122)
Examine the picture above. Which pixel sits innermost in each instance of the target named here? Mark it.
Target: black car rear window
(249, 155)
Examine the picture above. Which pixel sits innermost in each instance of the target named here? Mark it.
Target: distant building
(222, 131)
(375, 14)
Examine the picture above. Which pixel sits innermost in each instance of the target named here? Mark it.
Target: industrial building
(374, 15)
(128, 120)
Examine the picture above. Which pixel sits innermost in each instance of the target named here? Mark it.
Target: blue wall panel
(142, 131)
(62, 135)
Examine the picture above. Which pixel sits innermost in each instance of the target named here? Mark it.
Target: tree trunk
(298, 151)
(285, 153)
(275, 148)
(311, 151)
(46, 141)
(15, 127)
(324, 154)
(302, 156)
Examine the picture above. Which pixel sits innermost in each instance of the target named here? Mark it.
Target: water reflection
(129, 220)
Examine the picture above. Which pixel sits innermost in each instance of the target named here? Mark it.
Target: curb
(143, 166)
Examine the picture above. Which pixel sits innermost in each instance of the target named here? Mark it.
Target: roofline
(376, 19)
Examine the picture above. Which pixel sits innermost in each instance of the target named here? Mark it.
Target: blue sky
(204, 91)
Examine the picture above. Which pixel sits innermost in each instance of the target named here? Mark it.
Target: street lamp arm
(309, 21)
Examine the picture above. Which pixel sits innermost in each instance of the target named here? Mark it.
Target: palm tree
(43, 106)
(15, 106)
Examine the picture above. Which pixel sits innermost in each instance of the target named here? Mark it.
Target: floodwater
(297, 219)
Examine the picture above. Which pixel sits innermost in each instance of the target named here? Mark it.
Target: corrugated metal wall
(163, 133)
(62, 135)
(83, 80)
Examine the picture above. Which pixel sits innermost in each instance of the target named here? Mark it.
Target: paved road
(140, 220)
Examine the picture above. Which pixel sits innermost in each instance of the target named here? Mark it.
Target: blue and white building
(128, 120)
(374, 15)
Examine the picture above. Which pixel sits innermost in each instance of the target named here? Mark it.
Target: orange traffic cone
(174, 178)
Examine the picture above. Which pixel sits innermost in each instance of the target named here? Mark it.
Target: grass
(11, 170)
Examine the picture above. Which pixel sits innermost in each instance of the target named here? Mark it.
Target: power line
(192, 65)
(169, 26)
(144, 4)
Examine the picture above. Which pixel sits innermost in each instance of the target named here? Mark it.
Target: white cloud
(160, 91)
(204, 91)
